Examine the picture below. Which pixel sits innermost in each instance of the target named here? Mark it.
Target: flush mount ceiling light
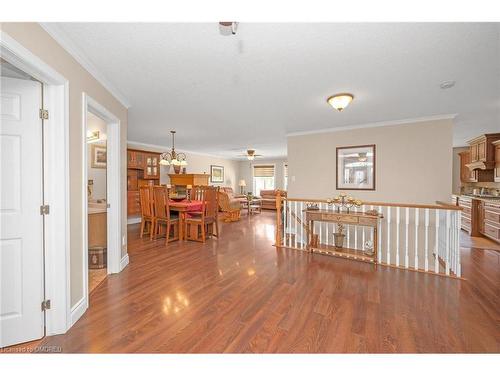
(447, 85)
(340, 101)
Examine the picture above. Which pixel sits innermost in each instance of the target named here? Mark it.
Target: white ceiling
(224, 94)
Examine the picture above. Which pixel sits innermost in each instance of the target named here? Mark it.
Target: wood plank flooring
(241, 294)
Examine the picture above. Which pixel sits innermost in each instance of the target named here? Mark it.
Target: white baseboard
(124, 262)
(78, 310)
(133, 220)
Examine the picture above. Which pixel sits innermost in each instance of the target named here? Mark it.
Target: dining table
(184, 207)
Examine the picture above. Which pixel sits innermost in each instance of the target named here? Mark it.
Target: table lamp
(242, 184)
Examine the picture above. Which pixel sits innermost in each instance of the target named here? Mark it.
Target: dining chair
(163, 215)
(198, 225)
(198, 192)
(147, 210)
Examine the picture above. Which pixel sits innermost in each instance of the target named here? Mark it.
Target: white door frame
(113, 183)
(56, 180)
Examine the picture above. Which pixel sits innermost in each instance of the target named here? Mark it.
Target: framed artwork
(356, 168)
(216, 174)
(99, 156)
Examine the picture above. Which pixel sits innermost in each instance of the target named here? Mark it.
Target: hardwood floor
(96, 277)
(240, 294)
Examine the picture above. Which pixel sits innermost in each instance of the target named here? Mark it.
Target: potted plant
(339, 236)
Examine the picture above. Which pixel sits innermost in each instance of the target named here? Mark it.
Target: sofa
(269, 198)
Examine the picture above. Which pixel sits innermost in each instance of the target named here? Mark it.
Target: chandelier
(173, 158)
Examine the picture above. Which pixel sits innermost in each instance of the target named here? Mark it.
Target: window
(263, 178)
(285, 176)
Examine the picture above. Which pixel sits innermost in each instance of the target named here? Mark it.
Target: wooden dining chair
(162, 215)
(147, 210)
(198, 226)
(198, 192)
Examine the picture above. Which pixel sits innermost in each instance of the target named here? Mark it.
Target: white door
(21, 225)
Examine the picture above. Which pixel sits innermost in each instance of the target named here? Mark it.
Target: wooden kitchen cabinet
(496, 172)
(490, 220)
(466, 175)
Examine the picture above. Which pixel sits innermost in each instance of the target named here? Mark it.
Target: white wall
(246, 173)
(413, 162)
(98, 175)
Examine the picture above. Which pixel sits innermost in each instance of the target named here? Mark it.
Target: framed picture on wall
(99, 156)
(216, 174)
(356, 168)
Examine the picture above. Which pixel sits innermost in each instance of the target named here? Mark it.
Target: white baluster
(295, 231)
(436, 248)
(289, 224)
(398, 220)
(388, 235)
(364, 239)
(426, 260)
(379, 236)
(407, 227)
(327, 229)
(283, 221)
(447, 256)
(417, 217)
(355, 233)
(302, 220)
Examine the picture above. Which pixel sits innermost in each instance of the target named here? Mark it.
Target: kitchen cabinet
(496, 172)
(490, 220)
(466, 204)
(482, 152)
(466, 175)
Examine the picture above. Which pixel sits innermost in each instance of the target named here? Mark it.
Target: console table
(354, 218)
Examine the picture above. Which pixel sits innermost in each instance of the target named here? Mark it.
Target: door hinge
(44, 114)
(45, 209)
(46, 305)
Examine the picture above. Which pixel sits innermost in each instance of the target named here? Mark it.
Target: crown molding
(375, 125)
(58, 35)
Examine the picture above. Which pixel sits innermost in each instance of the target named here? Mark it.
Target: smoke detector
(447, 85)
(228, 28)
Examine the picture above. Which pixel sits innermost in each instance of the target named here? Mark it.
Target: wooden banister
(440, 206)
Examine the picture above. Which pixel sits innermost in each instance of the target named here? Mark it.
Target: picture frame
(216, 174)
(98, 156)
(356, 167)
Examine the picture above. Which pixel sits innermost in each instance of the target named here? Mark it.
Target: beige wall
(413, 162)
(246, 173)
(35, 39)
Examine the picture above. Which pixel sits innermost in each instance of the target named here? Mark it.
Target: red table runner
(186, 205)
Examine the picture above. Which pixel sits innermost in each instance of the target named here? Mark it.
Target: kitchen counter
(480, 215)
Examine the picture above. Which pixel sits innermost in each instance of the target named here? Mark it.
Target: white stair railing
(417, 237)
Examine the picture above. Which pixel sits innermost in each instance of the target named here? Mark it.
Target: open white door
(21, 225)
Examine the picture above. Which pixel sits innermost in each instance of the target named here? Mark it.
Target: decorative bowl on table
(177, 198)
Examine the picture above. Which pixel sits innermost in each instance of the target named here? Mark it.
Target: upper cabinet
(466, 175)
(135, 159)
(147, 164)
(496, 173)
(482, 151)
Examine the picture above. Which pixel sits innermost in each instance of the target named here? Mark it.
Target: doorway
(101, 196)
(97, 200)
